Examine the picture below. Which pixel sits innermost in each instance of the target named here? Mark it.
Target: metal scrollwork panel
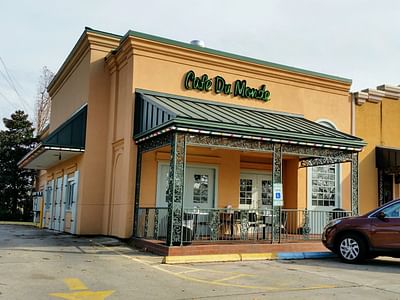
(276, 179)
(313, 151)
(156, 215)
(175, 189)
(137, 189)
(277, 164)
(158, 141)
(244, 226)
(380, 187)
(276, 224)
(229, 142)
(176, 226)
(146, 223)
(328, 160)
(354, 184)
(214, 225)
(306, 224)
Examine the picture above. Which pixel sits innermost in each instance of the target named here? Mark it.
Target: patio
(227, 225)
(180, 124)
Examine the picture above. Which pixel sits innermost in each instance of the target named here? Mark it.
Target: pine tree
(16, 184)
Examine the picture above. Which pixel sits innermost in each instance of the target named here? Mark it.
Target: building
(187, 142)
(377, 122)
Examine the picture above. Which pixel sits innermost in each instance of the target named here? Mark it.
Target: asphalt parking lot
(40, 264)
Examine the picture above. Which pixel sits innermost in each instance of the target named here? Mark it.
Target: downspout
(353, 114)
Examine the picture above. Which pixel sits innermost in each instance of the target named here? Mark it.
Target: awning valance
(156, 113)
(388, 159)
(65, 142)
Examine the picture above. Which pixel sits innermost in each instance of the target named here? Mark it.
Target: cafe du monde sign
(218, 84)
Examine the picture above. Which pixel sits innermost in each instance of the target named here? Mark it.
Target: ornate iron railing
(214, 225)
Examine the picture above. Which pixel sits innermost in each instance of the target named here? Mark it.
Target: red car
(376, 233)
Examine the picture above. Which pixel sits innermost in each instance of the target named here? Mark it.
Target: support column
(175, 192)
(354, 184)
(276, 179)
(380, 187)
(137, 189)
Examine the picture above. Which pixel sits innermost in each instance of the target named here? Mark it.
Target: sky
(355, 39)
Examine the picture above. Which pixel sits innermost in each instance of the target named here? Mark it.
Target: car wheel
(351, 248)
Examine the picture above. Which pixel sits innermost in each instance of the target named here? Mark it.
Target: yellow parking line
(189, 271)
(230, 278)
(164, 268)
(74, 284)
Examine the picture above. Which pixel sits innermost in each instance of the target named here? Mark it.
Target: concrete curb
(186, 259)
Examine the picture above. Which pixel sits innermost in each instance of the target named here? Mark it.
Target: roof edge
(243, 58)
(160, 94)
(80, 43)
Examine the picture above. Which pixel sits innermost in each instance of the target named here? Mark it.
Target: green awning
(156, 113)
(65, 142)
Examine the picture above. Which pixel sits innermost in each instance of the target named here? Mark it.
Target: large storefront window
(324, 186)
(324, 183)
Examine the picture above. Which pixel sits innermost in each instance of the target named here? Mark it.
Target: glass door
(255, 191)
(199, 187)
(323, 195)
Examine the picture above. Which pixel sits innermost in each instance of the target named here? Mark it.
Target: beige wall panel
(123, 129)
(229, 179)
(124, 102)
(73, 94)
(148, 188)
(65, 167)
(345, 173)
(67, 224)
(302, 188)
(92, 184)
(368, 127)
(110, 151)
(89, 224)
(41, 180)
(311, 101)
(290, 183)
(120, 226)
(391, 123)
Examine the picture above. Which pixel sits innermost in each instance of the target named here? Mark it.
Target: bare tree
(43, 101)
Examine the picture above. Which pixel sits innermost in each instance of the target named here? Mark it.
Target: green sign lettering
(240, 88)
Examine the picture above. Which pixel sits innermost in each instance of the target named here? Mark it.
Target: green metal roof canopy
(65, 142)
(156, 113)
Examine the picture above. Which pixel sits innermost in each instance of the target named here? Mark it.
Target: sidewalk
(223, 252)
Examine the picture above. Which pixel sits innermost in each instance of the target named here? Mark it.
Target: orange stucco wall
(94, 165)
(162, 70)
(164, 73)
(108, 166)
(84, 79)
(378, 124)
(72, 94)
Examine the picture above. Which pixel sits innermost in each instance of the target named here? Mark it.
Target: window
(266, 192)
(324, 191)
(200, 188)
(392, 211)
(70, 194)
(324, 186)
(246, 191)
